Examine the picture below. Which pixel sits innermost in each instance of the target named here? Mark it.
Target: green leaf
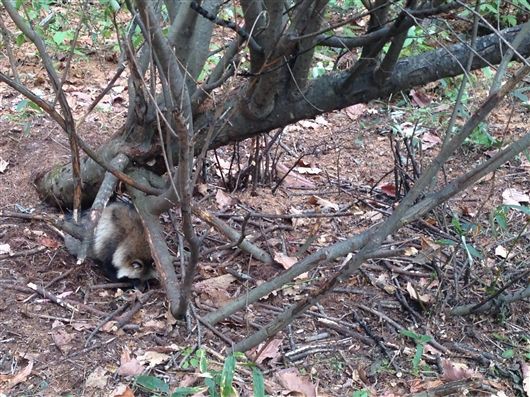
(227, 376)
(508, 353)
(152, 383)
(475, 253)
(186, 391)
(360, 393)
(446, 241)
(417, 357)
(20, 39)
(521, 208)
(203, 361)
(60, 37)
(258, 383)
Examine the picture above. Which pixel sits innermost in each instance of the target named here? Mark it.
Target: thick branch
(323, 94)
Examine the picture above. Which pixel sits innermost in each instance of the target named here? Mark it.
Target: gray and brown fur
(120, 244)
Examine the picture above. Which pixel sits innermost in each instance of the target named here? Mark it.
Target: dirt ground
(57, 340)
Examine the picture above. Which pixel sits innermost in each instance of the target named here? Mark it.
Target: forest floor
(387, 331)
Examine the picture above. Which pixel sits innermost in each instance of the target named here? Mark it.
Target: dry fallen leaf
(325, 205)
(285, 260)
(122, 391)
(271, 351)
(224, 200)
(152, 358)
(97, 379)
(293, 180)
(129, 366)
(5, 249)
(429, 140)
(3, 165)
(216, 288)
(411, 251)
(63, 340)
(525, 370)
(291, 380)
(420, 98)
(355, 111)
(13, 380)
(457, 371)
(512, 196)
(500, 251)
(414, 294)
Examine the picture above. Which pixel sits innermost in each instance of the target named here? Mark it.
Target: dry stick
(52, 297)
(378, 339)
(68, 120)
(110, 286)
(6, 34)
(48, 285)
(393, 223)
(233, 235)
(492, 301)
(71, 229)
(31, 251)
(222, 336)
(115, 313)
(126, 317)
(456, 388)
(342, 248)
(399, 327)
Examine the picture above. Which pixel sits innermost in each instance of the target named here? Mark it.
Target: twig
(31, 251)
(52, 297)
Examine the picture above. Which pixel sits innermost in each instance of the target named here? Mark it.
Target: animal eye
(137, 264)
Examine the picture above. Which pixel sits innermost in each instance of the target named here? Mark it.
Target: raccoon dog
(119, 245)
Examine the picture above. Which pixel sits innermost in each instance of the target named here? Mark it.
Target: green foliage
(481, 138)
(501, 13)
(464, 229)
(343, 6)
(498, 220)
(216, 383)
(420, 341)
(360, 393)
(57, 25)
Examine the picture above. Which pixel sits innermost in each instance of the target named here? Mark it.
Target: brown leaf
(271, 351)
(325, 205)
(97, 379)
(216, 288)
(224, 200)
(152, 358)
(414, 294)
(355, 111)
(122, 391)
(49, 242)
(13, 380)
(293, 180)
(292, 381)
(420, 98)
(62, 340)
(285, 260)
(512, 196)
(429, 140)
(389, 189)
(457, 371)
(129, 366)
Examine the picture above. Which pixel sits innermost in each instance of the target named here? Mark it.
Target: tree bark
(324, 94)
